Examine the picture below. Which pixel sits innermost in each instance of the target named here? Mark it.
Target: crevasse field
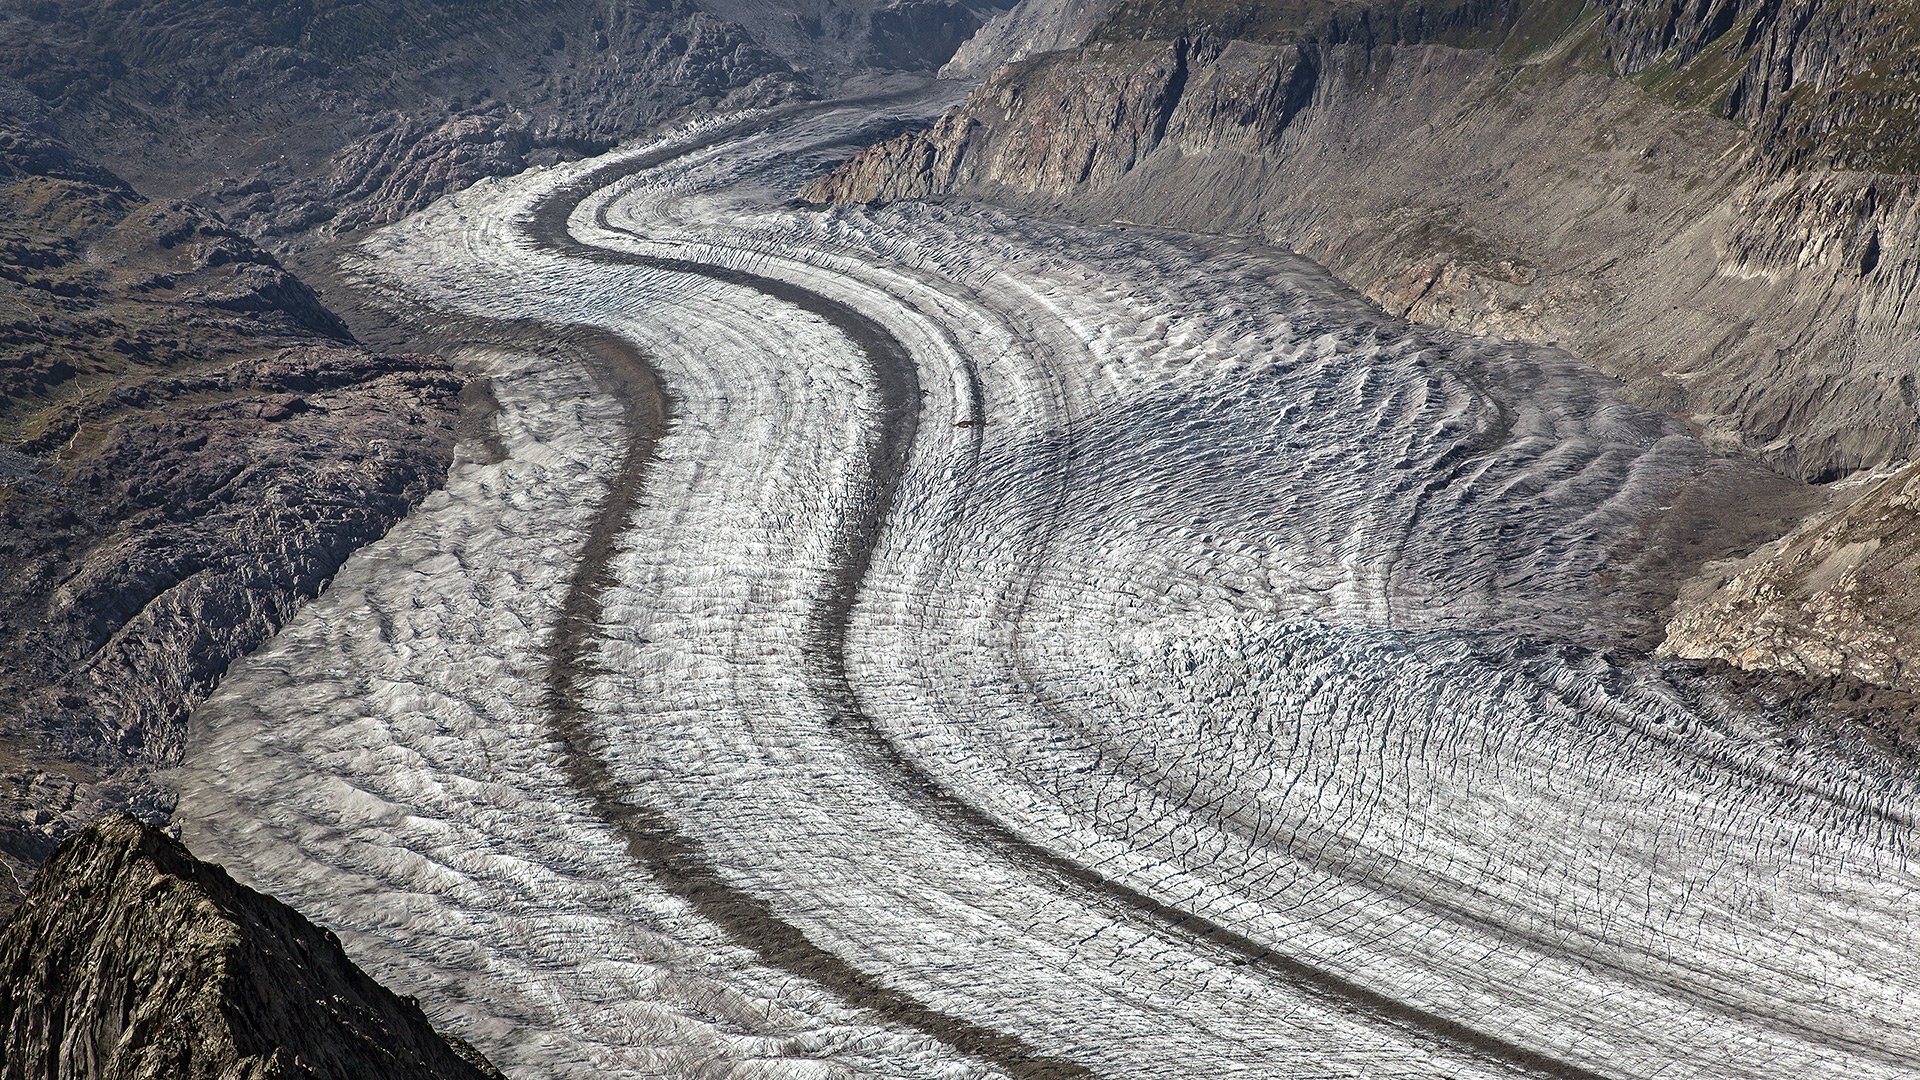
(1031, 650)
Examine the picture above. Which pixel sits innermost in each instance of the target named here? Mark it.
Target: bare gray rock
(1837, 597)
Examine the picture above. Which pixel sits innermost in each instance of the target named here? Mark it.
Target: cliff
(1713, 204)
(190, 445)
(130, 959)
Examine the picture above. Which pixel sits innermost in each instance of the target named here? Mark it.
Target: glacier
(978, 645)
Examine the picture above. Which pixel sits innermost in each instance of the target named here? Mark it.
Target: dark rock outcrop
(1833, 83)
(190, 445)
(130, 959)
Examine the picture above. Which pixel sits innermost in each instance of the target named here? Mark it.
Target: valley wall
(1714, 206)
(190, 446)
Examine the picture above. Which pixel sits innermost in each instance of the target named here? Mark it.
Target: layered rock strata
(131, 959)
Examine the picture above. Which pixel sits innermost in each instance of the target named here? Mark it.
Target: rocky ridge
(1715, 205)
(830, 38)
(190, 445)
(130, 959)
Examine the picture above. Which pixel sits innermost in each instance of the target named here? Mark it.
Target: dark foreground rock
(130, 959)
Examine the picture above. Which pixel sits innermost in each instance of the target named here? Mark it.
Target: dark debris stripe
(685, 869)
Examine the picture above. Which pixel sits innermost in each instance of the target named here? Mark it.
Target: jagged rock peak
(131, 959)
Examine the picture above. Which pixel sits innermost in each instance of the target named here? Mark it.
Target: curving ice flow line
(894, 374)
(1033, 650)
(651, 836)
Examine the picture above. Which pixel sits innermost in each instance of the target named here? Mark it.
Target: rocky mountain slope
(190, 444)
(1714, 204)
(830, 38)
(1038, 26)
(302, 121)
(295, 118)
(131, 959)
(1840, 596)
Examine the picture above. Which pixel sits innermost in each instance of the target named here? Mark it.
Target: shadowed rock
(131, 959)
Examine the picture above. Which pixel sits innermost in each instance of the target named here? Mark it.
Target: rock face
(190, 445)
(1840, 596)
(1746, 278)
(130, 959)
(1832, 83)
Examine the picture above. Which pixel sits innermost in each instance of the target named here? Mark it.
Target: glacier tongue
(1207, 675)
